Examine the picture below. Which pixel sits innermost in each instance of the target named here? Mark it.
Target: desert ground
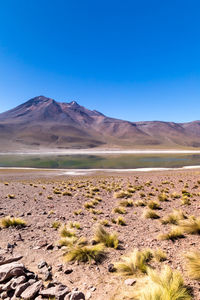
(136, 206)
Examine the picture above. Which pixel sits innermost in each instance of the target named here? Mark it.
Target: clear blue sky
(130, 59)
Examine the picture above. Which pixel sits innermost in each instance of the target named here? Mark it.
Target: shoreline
(103, 151)
(77, 172)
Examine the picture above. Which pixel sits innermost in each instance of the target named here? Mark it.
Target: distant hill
(43, 123)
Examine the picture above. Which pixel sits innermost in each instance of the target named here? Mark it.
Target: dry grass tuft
(191, 225)
(193, 264)
(12, 222)
(135, 262)
(150, 214)
(166, 285)
(85, 253)
(108, 239)
(174, 217)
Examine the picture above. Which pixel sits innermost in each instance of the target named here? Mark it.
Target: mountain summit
(42, 122)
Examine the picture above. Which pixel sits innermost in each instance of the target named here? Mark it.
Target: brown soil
(31, 190)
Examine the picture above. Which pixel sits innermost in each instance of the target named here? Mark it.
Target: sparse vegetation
(12, 222)
(106, 238)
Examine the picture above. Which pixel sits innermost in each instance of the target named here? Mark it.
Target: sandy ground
(31, 189)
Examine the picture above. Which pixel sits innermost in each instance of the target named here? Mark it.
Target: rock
(59, 292)
(10, 270)
(47, 275)
(111, 268)
(68, 271)
(42, 264)
(31, 291)
(59, 268)
(75, 295)
(4, 295)
(31, 275)
(6, 260)
(7, 287)
(50, 247)
(130, 281)
(32, 281)
(38, 298)
(17, 281)
(88, 295)
(22, 287)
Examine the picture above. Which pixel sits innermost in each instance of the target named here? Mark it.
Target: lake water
(111, 161)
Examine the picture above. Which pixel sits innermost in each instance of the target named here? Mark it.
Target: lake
(101, 161)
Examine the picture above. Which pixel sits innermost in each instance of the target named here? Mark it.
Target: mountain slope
(42, 122)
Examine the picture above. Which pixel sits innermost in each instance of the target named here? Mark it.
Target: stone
(6, 260)
(111, 268)
(59, 292)
(47, 275)
(17, 281)
(130, 281)
(75, 295)
(4, 295)
(32, 290)
(42, 264)
(88, 295)
(50, 247)
(32, 281)
(22, 287)
(68, 271)
(10, 270)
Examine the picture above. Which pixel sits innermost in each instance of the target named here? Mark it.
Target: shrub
(153, 205)
(120, 221)
(135, 262)
(119, 210)
(85, 253)
(193, 264)
(162, 197)
(174, 217)
(126, 203)
(166, 285)
(67, 193)
(56, 224)
(175, 233)
(12, 222)
(191, 225)
(65, 232)
(106, 238)
(159, 255)
(150, 214)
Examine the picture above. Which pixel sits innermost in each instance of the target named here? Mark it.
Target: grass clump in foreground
(12, 222)
(193, 264)
(135, 262)
(166, 285)
(191, 225)
(85, 253)
(108, 239)
(65, 232)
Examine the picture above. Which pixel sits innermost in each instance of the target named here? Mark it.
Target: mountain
(43, 123)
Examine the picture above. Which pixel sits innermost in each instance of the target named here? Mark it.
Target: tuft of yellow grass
(150, 214)
(191, 225)
(174, 217)
(108, 239)
(133, 263)
(12, 222)
(85, 253)
(193, 264)
(166, 285)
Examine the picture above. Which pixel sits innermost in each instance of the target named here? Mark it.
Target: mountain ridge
(43, 123)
